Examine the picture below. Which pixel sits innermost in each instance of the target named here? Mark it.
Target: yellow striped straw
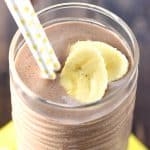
(33, 32)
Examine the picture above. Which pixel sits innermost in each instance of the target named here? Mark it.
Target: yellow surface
(7, 139)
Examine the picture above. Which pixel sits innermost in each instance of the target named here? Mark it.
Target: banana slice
(84, 75)
(116, 62)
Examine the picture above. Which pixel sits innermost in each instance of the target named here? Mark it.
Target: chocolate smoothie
(61, 35)
(59, 126)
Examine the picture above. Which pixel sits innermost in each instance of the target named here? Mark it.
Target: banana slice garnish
(84, 75)
(88, 69)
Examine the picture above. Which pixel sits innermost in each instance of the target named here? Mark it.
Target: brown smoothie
(43, 127)
(61, 35)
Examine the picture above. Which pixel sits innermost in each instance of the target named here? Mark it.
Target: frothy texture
(62, 36)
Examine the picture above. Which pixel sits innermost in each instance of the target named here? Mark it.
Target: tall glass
(104, 125)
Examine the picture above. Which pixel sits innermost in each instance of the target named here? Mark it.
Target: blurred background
(135, 12)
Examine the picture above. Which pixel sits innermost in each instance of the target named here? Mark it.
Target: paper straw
(33, 32)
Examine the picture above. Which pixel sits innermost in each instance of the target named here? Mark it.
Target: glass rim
(81, 5)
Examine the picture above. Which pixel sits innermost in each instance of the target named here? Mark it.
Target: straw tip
(51, 76)
(57, 66)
